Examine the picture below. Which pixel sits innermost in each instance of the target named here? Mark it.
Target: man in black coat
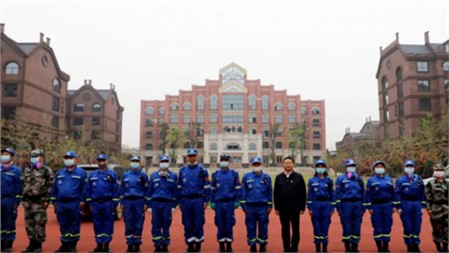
(289, 202)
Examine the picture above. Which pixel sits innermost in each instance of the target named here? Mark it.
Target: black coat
(290, 193)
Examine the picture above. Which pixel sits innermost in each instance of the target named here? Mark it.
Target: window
(424, 104)
(200, 103)
(252, 103)
(78, 121)
(213, 130)
(446, 66)
(278, 118)
(213, 102)
(149, 110)
(316, 122)
(213, 146)
(232, 119)
(252, 119)
(149, 146)
(422, 66)
(291, 118)
(186, 119)
(233, 146)
(384, 83)
(187, 106)
(213, 119)
(278, 106)
(55, 122)
(303, 110)
(12, 68)
(446, 84)
(265, 119)
(233, 102)
(232, 74)
(200, 119)
(78, 107)
(265, 100)
(96, 121)
(174, 106)
(291, 106)
(316, 134)
(446, 48)
(423, 85)
(279, 144)
(186, 144)
(174, 119)
(200, 132)
(252, 146)
(252, 131)
(77, 135)
(148, 134)
(55, 104)
(96, 107)
(161, 111)
(8, 112)
(315, 110)
(95, 135)
(266, 132)
(10, 90)
(148, 122)
(316, 146)
(56, 85)
(265, 144)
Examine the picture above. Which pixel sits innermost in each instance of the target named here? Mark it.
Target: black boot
(379, 246)
(416, 247)
(253, 248)
(229, 247)
(99, 248)
(439, 247)
(385, 246)
(106, 247)
(354, 247)
(164, 248)
(324, 247)
(137, 248)
(347, 247)
(72, 246)
(190, 247)
(221, 248)
(30, 247)
(444, 246)
(263, 248)
(318, 247)
(37, 246)
(409, 247)
(130, 248)
(63, 248)
(8, 245)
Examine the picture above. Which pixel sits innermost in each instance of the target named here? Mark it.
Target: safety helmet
(409, 163)
(102, 157)
(37, 152)
(70, 154)
(164, 158)
(377, 162)
(192, 151)
(9, 150)
(256, 159)
(349, 162)
(320, 162)
(134, 158)
(225, 157)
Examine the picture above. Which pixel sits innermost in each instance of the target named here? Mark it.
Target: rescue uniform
(162, 199)
(225, 193)
(320, 202)
(67, 193)
(102, 197)
(256, 199)
(410, 199)
(194, 192)
(133, 198)
(437, 202)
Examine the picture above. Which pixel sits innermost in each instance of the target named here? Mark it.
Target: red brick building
(234, 115)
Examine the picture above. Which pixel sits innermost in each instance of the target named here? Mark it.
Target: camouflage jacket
(436, 193)
(37, 184)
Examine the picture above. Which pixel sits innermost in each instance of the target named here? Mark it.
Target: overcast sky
(325, 50)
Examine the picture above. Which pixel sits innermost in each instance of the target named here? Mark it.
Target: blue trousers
(411, 221)
(69, 219)
(382, 220)
(321, 219)
(256, 219)
(224, 220)
(134, 218)
(193, 219)
(161, 222)
(351, 220)
(103, 218)
(8, 216)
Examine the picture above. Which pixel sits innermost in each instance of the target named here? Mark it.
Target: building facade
(413, 80)
(234, 115)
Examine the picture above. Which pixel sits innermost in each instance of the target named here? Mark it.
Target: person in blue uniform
(67, 198)
(349, 193)
(11, 197)
(224, 198)
(133, 202)
(320, 204)
(257, 202)
(102, 197)
(194, 193)
(162, 203)
(289, 203)
(410, 200)
(379, 197)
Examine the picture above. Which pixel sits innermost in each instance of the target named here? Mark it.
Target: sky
(322, 50)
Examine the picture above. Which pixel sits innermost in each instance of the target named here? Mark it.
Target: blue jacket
(225, 186)
(378, 190)
(102, 185)
(409, 188)
(134, 184)
(194, 181)
(12, 182)
(163, 187)
(69, 185)
(347, 189)
(256, 189)
(320, 189)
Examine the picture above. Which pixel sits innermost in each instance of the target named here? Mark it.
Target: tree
(296, 138)
(163, 136)
(192, 133)
(175, 138)
(274, 132)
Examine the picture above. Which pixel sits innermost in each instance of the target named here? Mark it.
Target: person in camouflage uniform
(38, 180)
(437, 207)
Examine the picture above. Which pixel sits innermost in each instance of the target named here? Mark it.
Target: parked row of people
(192, 190)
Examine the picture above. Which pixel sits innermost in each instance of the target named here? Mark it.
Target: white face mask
(409, 170)
(351, 169)
(163, 165)
(69, 162)
(224, 164)
(439, 174)
(5, 158)
(135, 165)
(34, 160)
(379, 170)
(257, 169)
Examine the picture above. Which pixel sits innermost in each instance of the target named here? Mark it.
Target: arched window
(446, 66)
(291, 106)
(56, 85)
(187, 106)
(278, 106)
(384, 83)
(233, 146)
(213, 146)
(252, 103)
(96, 107)
(161, 110)
(265, 101)
(252, 146)
(200, 103)
(12, 68)
(315, 110)
(174, 106)
(303, 110)
(213, 102)
(149, 110)
(399, 74)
